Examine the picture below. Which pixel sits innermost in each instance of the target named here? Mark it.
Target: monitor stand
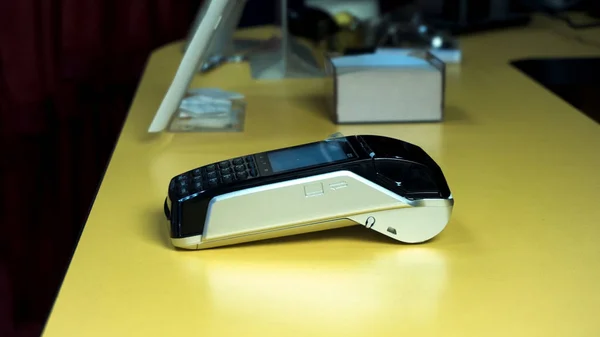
(281, 56)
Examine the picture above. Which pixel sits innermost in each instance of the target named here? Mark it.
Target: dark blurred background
(68, 72)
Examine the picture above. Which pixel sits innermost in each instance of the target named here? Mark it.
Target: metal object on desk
(406, 29)
(462, 16)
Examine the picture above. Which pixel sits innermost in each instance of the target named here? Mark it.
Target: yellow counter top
(520, 257)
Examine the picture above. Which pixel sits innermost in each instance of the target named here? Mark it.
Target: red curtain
(68, 71)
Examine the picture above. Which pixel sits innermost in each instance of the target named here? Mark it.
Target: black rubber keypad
(251, 166)
(214, 175)
(227, 178)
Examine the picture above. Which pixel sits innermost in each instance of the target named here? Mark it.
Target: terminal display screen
(308, 155)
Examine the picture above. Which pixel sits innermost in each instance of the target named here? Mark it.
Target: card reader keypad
(214, 175)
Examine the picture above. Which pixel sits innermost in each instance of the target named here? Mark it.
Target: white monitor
(221, 46)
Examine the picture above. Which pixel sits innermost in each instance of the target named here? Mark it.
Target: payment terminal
(384, 184)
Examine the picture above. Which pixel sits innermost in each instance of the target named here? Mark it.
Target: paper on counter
(199, 109)
(215, 93)
(208, 101)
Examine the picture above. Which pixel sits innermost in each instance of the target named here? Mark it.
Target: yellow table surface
(520, 256)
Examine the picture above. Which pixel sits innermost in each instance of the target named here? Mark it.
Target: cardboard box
(386, 88)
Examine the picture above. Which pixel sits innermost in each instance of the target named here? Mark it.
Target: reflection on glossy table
(520, 256)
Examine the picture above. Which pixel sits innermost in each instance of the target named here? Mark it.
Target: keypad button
(240, 168)
(226, 170)
(183, 183)
(183, 191)
(210, 168)
(227, 178)
(238, 161)
(182, 177)
(213, 182)
(252, 167)
(197, 186)
(241, 175)
(211, 175)
(249, 159)
(224, 164)
(197, 179)
(252, 173)
(197, 172)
